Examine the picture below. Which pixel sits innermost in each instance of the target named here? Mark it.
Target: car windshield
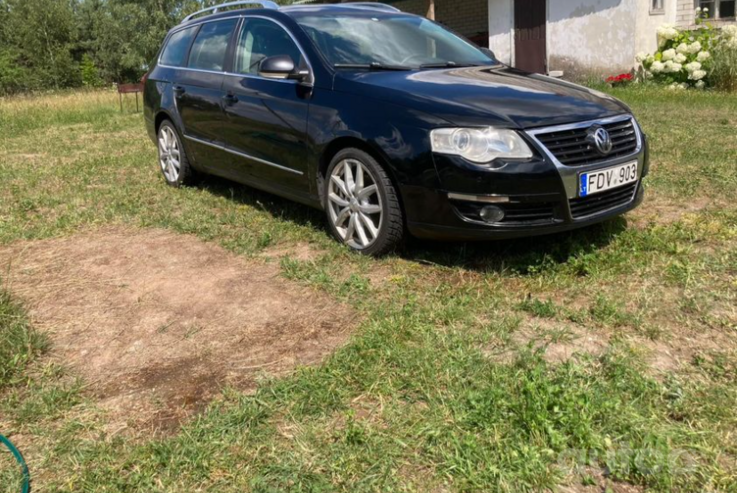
(391, 41)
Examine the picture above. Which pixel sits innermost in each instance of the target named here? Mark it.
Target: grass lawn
(600, 358)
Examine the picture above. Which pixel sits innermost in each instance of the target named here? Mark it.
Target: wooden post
(431, 10)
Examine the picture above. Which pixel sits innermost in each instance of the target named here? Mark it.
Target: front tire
(172, 157)
(362, 204)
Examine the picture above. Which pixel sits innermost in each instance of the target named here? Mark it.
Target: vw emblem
(601, 140)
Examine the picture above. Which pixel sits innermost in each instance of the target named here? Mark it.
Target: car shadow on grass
(274, 205)
(523, 256)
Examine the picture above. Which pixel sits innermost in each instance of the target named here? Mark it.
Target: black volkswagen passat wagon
(388, 122)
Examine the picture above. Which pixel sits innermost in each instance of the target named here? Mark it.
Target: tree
(90, 73)
(40, 36)
(123, 36)
(50, 44)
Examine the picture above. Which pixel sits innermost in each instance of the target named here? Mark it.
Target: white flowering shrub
(693, 58)
(683, 58)
(729, 36)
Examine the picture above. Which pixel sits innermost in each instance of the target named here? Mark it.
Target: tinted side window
(259, 39)
(176, 49)
(208, 50)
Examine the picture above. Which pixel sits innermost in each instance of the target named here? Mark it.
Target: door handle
(230, 98)
(179, 90)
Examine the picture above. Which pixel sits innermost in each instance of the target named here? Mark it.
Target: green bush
(724, 63)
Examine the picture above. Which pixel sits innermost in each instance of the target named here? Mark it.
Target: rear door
(266, 118)
(198, 91)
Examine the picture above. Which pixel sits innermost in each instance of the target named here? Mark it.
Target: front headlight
(480, 145)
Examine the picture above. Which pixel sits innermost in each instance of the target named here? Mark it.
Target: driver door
(266, 118)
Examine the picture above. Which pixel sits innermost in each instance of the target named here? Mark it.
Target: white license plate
(606, 179)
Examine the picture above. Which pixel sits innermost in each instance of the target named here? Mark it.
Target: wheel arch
(348, 142)
(159, 119)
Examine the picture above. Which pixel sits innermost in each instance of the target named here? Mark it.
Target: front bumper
(448, 225)
(539, 196)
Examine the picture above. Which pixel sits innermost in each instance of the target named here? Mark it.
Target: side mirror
(488, 52)
(281, 67)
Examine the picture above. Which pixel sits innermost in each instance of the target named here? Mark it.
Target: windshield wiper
(372, 66)
(439, 65)
(449, 64)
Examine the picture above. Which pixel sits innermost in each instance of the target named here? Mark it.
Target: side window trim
(191, 43)
(185, 58)
(226, 54)
(231, 51)
(232, 72)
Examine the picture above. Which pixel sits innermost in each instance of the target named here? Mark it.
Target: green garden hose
(18, 457)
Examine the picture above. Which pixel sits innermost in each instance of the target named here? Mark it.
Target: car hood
(500, 96)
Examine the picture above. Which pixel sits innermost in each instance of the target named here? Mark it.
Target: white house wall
(646, 39)
(584, 37)
(685, 12)
(501, 29)
(591, 38)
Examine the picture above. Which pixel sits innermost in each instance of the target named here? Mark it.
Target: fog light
(491, 214)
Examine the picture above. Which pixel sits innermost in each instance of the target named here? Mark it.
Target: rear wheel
(172, 158)
(362, 204)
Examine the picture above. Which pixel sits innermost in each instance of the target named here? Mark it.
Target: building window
(718, 9)
(656, 7)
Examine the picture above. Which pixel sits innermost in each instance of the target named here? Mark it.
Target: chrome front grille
(570, 146)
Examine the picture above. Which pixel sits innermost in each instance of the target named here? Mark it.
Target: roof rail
(372, 5)
(215, 9)
(357, 5)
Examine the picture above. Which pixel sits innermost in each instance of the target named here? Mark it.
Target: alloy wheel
(354, 204)
(169, 153)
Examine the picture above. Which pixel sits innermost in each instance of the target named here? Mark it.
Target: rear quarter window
(175, 52)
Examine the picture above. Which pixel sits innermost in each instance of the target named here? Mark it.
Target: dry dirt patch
(662, 211)
(301, 251)
(159, 322)
(558, 341)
